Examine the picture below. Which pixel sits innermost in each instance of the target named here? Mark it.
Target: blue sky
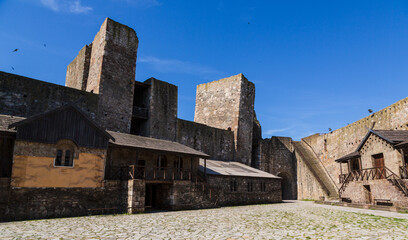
(315, 64)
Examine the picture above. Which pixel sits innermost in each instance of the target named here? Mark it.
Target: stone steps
(317, 168)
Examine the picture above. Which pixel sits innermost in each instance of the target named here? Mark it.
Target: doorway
(286, 186)
(367, 194)
(378, 160)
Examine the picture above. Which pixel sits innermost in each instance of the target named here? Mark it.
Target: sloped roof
(348, 157)
(391, 136)
(129, 140)
(56, 110)
(229, 168)
(6, 120)
(397, 138)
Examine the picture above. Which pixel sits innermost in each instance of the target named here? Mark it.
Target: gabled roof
(397, 138)
(60, 109)
(391, 136)
(226, 168)
(153, 144)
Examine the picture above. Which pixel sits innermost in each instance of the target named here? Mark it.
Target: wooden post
(205, 168)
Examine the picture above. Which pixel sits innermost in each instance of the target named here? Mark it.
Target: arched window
(65, 151)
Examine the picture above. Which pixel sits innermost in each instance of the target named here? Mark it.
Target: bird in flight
(330, 129)
(12, 68)
(370, 110)
(15, 50)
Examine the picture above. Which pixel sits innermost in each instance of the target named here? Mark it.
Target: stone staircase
(317, 168)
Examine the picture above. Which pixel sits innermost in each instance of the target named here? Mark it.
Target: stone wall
(229, 104)
(136, 196)
(112, 74)
(37, 203)
(217, 143)
(242, 195)
(78, 69)
(25, 97)
(340, 142)
(162, 120)
(380, 189)
(277, 157)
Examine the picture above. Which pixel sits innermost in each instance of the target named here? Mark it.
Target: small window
(178, 164)
(249, 186)
(64, 158)
(233, 186)
(161, 162)
(58, 158)
(263, 187)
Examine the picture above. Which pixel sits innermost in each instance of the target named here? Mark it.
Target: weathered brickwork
(243, 194)
(217, 143)
(36, 203)
(379, 189)
(78, 69)
(229, 104)
(25, 97)
(112, 74)
(343, 141)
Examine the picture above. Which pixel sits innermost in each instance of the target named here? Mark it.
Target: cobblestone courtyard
(302, 220)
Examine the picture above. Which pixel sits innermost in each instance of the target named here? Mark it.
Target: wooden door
(379, 165)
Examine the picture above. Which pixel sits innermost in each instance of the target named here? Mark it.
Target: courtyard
(289, 220)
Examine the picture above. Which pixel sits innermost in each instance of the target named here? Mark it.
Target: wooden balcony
(153, 173)
(140, 112)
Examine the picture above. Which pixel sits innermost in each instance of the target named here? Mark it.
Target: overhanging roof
(348, 157)
(153, 144)
(227, 168)
(6, 120)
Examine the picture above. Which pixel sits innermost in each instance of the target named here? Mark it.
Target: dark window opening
(64, 158)
(249, 186)
(161, 162)
(178, 164)
(233, 186)
(355, 164)
(263, 187)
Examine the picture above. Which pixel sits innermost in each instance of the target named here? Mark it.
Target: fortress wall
(24, 97)
(217, 143)
(162, 120)
(277, 157)
(112, 74)
(78, 69)
(228, 103)
(331, 146)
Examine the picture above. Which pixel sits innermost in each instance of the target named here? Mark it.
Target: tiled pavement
(294, 220)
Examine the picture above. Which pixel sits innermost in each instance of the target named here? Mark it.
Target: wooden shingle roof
(153, 144)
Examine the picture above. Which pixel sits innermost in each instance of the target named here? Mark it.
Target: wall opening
(287, 186)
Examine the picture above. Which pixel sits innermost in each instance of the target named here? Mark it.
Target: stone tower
(107, 67)
(229, 104)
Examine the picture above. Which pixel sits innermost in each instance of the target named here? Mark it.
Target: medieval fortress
(106, 143)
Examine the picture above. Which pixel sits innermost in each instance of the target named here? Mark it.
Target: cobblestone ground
(298, 220)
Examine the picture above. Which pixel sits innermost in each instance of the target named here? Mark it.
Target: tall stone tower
(107, 67)
(229, 104)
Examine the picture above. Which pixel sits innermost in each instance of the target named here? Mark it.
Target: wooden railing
(373, 174)
(404, 171)
(151, 173)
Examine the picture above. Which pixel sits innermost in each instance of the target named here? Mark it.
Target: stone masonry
(229, 104)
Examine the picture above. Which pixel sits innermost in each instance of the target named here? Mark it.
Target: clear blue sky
(315, 64)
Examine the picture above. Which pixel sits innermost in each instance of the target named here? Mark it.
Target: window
(65, 153)
(233, 186)
(161, 162)
(249, 186)
(354, 164)
(263, 187)
(178, 164)
(64, 158)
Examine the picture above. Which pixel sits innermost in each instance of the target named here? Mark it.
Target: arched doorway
(287, 186)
